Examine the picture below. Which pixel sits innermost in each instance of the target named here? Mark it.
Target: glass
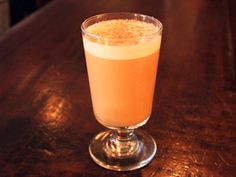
(122, 51)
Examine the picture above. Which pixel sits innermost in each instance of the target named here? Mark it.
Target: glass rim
(159, 30)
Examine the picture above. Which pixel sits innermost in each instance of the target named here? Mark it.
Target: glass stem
(122, 143)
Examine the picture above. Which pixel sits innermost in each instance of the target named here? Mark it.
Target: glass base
(115, 151)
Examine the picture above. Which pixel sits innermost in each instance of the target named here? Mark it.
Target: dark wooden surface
(46, 119)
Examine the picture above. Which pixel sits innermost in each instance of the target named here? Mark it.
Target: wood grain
(46, 114)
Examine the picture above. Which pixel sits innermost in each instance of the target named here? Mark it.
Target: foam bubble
(128, 39)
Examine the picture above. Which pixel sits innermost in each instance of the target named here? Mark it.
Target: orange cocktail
(122, 73)
(122, 53)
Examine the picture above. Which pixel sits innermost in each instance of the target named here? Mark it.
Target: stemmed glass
(122, 52)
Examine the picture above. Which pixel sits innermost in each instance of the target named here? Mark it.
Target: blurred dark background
(13, 11)
(19, 9)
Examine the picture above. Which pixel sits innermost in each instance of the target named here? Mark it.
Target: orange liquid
(122, 90)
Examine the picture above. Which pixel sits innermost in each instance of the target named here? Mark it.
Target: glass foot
(122, 149)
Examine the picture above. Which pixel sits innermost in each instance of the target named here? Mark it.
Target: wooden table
(46, 118)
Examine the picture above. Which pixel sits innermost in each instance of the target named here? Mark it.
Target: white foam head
(122, 39)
